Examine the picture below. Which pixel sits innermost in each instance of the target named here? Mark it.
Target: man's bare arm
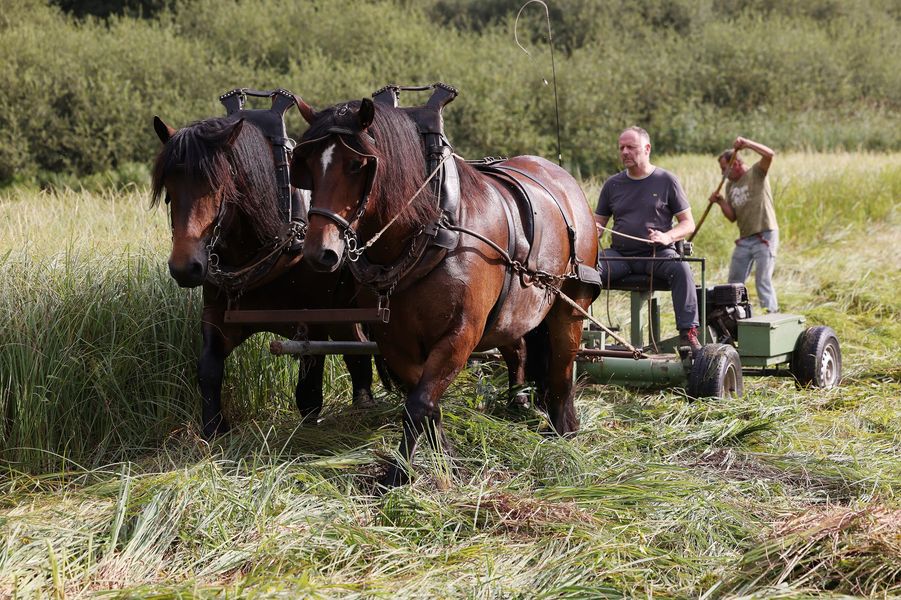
(727, 209)
(600, 222)
(685, 226)
(765, 152)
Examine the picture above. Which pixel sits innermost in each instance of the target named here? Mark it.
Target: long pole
(715, 192)
(550, 41)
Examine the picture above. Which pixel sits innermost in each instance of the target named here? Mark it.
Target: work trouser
(677, 274)
(760, 250)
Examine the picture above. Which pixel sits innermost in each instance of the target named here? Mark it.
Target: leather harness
(284, 250)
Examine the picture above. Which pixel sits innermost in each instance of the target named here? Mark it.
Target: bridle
(346, 226)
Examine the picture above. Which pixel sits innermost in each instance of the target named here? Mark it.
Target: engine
(726, 306)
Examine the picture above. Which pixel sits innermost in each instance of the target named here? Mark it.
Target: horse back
(548, 202)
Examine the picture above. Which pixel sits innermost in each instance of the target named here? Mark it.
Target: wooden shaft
(716, 191)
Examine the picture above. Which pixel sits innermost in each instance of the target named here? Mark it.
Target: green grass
(107, 489)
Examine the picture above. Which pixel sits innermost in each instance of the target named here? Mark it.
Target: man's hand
(660, 237)
(715, 198)
(765, 152)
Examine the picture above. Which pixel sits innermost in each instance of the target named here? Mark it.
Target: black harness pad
(429, 120)
(271, 122)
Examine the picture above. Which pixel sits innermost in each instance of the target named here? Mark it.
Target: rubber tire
(817, 359)
(715, 373)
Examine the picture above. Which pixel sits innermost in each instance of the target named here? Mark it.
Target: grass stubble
(107, 489)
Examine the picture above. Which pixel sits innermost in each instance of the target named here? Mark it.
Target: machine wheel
(817, 359)
(715, 373)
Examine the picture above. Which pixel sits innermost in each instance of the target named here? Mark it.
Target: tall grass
(99, 347)
(107, 489)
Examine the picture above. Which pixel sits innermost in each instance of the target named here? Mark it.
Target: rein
(354, 253)
(255, 271)
(549, 282)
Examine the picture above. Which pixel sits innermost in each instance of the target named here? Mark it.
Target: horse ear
(163, 131)
(367, 113)
(235, 132)
(306, 111)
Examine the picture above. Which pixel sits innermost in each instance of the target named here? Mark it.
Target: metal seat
(641, 296)
(636, 282)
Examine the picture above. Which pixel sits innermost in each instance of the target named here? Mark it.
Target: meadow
(107, 490)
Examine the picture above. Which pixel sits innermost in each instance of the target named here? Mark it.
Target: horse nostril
(187, 275)
(329, 258)
(195, 269)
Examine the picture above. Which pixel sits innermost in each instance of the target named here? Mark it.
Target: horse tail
(538, 349)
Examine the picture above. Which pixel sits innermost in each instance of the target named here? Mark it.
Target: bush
(817, 75)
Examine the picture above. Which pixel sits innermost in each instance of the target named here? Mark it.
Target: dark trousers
(676, 273)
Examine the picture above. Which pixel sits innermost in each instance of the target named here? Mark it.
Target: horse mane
(400, 151)
(243, 172)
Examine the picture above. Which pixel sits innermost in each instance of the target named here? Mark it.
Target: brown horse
(219, 180)
(364, 164)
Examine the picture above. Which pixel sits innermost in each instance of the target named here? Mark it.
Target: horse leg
(210, 370)
(360, 369)
(515, 359)
(358, 366)
(422, 412)
(308, 393)
(564, 336)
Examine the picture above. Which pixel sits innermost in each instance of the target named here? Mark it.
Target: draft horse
(218, 177)
(523, 230)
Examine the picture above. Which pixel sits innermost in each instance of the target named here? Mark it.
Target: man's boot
(689, 337)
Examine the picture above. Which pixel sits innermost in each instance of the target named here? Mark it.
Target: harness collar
(271, 123)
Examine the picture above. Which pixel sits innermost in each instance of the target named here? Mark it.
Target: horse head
(361, 164)
(218, 179)
(335, 160)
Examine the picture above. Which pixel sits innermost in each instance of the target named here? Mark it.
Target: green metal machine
(740, 344)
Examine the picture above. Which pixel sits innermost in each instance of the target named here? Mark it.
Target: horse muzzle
(325, 260)
(188, 274)
(324, 244)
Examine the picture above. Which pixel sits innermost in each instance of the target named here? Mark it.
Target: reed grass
(107, 490)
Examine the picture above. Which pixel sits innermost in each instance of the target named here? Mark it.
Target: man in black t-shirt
(643, 200)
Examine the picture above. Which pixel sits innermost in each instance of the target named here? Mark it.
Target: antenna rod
(550, 40)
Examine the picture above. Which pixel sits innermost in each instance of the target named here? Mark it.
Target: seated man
(643, 200)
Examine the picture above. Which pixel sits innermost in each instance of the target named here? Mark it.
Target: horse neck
(394, 239)
(253, 210)
(238, 242)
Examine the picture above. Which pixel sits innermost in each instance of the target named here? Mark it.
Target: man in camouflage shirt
(749, 202)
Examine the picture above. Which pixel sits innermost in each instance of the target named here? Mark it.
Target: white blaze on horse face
(327, 158)
(306, 197)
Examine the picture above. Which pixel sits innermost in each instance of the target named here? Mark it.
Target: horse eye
(168, 201)
(356, 165)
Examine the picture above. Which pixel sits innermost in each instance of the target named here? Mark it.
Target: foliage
(106, 8)
(696, 73)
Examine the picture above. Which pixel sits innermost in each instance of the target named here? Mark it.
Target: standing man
(749, 201)
(643, 200)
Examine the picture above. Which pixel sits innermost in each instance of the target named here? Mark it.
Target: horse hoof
(395, 477)
(309, 418)
(519, 401)
(215, 428)
(363, 399)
